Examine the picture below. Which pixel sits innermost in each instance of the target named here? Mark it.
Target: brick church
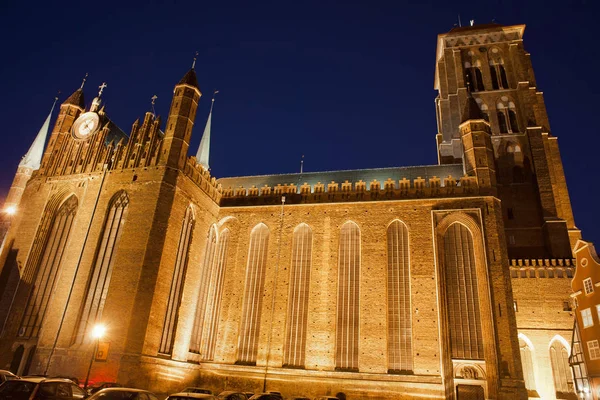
(439, 281)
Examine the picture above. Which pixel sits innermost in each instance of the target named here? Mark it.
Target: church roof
(471, 110)
(76, 99)
(366, 175)
(461, 29)
(33, 158)
(190, 79)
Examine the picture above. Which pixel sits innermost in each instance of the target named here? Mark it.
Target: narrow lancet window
(215, 294)
(462, 298)
(55, 240)
(400, 357)
(207, 265)
(346, 354)
(561, 371)
(99, 280)
(185, 237)
(297, 316)
(253, 296)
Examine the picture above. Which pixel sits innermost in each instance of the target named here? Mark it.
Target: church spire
(203, 153)
(33, 158)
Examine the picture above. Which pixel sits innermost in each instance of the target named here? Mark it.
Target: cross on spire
(84, 79)
(153, 100)
(101, 87)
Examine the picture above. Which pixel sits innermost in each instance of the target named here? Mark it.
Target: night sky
(347, 84)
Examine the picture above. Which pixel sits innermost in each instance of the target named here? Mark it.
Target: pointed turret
(33, 157)
(76, 99)
(181, 121)
(203, 153)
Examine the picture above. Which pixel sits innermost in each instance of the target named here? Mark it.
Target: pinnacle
(190, 79)
(76, 99)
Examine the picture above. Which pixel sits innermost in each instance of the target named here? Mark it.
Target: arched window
(563, 378)
(497, 70)
(99, 280)
(485, 112)
(507, 116)
(54, 242)
(207, 265)
(473, 76)
(346, 355)
(527, 362)
(253, 296)
(462, 298)
(295, 339)
(174, 300)
(400, 357)
(215, 294)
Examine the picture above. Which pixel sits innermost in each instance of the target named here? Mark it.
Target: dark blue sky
(348, 84)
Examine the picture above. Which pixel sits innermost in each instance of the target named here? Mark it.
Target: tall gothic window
(207, 265)
(462, 298)
(485, 112)
(253, 296)
(181, 261)
(99, 280)
(527, 362)
(507, 116)
(295, 342)
(215, 295)
(473, 76)
(400, 357)
(54, 242)
(563, 378)
(497, 70)
(346, 354)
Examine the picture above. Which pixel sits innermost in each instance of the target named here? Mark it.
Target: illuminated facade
(442, 281)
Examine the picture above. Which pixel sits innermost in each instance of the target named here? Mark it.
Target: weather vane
(84, 79)
(214, 93)
(153, 100)
(194, 62)
(101, 87)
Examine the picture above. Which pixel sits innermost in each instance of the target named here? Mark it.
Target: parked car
(40, 388)
(122, 393)
(266, 396)
(249, 394)
(191, 396)
(102, 385)
(274, 393)
(196, 390)
(299, 398)
(7, 376)
(231, 395)
(326, 398)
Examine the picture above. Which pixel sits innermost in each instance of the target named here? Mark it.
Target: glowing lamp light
(10, 210)
(98, 331)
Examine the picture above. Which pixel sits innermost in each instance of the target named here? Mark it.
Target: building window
(253, 297)
(527, 363)
(178, 280)
(400, 352)
(473, 76)
(295, 342)
(563, 377)
(594, 349)
(586, 317)
(598, 310)
(498, 73)
(510, 214)
(99, 280)
(516, 306)
(485, 112)
(511, 239)
(566, 306)
(215, 294)
(462, 297)
(346, 356)
(588, 286)
(507, 116)
(209, 255)
(46, 254)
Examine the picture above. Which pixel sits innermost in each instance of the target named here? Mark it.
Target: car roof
(195, 395)
(5, 371)
(122, 389)
(38, 379)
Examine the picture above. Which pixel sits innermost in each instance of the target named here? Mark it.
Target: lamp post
(98, 332)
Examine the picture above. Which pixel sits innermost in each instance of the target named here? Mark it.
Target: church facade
(441, 281)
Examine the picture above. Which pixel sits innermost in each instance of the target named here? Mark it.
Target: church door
(469, 392)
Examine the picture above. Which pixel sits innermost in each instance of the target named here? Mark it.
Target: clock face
(86, 125)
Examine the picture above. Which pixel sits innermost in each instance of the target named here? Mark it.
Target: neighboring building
(379, 283)
(586, 292)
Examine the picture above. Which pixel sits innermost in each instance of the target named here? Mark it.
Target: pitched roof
(190, 79)
(471, 110)
(76, 99)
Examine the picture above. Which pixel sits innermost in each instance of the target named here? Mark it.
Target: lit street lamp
(10, 210)
(98, 332)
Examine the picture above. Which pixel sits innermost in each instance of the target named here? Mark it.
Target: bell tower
(181, 121)
(492, 61)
